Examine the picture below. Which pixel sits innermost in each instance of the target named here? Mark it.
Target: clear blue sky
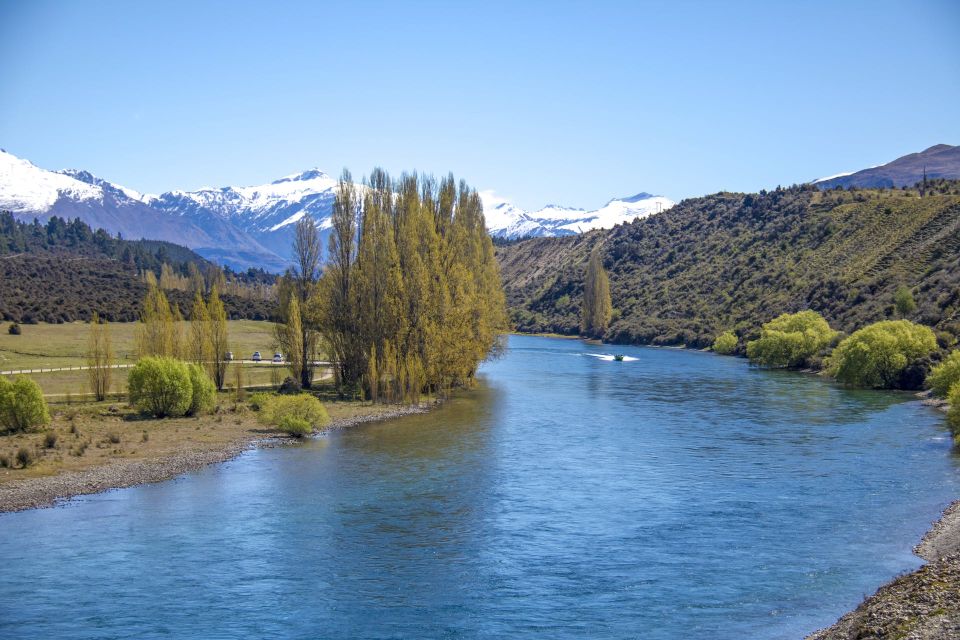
(550, 102)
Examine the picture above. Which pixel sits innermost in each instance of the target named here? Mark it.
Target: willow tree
(597, 308)
(99, 358)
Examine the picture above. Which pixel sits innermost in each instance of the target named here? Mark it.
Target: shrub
(14, 329)
(302, 413)
(289, 387)
(25, 457)
(161, 386)
(4, 461)
(953, 413)
(22, 406)
(877, 355)
(903, 301)
(259, 400)
(790, 340)
(726, 343)
(946, 374)
(204, 392)
(50, 440)
(113, 437)
(296, 427)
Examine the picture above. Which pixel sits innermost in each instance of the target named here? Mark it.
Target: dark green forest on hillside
(729, 261)
(63, 271)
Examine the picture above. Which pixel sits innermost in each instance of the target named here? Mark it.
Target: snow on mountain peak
(309, 174)
(25, 187)
(505, 220)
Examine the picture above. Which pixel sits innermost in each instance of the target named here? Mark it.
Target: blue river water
(678, 495)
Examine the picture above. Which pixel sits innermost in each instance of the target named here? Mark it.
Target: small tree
(946, 374)
(14, 329)
(790, 340)
(99, 358)
(726, 343)
(22, 406)
(161, 386)
(875, 356)
(903, 301)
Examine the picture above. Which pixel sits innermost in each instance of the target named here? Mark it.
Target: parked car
(228, 356)
(278, 357)
(256, 356)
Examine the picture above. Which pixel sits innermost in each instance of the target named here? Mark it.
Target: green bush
(790, 340)
(297, 427)
(22, 406)
(14, 329)
(726, 343)
(259, 400)
(204, 396)
(953, 413)
(946, 374)
(161, 386)
(298, 414)
(878, 354)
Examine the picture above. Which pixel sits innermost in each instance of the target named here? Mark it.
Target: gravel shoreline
(48, 491)
(921, 605)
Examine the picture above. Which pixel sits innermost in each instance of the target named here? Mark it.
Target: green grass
(42, 346)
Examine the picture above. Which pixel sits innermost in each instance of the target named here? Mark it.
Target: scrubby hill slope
(732, 260)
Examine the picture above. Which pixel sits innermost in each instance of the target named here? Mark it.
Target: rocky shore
(922, 605)
(32, 493)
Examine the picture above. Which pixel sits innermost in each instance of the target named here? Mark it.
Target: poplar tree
(200, 348)
(289, 335)
(99, 358)
(219, 338)
(155, 335)
(597, 308)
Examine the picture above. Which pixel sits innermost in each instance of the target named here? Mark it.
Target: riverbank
(922, 605)
(101, 449)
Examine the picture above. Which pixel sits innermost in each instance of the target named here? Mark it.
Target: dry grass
(95, 434)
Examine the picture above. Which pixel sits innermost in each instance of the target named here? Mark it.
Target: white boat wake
(610, 358)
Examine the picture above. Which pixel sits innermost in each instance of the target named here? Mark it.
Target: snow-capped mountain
(506, 220)
(30, 192)
(254, 226)
(267, 212)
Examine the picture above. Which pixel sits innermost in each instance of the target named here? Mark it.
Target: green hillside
(733, 260)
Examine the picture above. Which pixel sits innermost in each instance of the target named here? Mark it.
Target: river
(678, 495)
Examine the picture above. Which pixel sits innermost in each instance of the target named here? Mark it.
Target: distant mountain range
(939, 161)
(252, 226)
(243, 227)
(505, 220)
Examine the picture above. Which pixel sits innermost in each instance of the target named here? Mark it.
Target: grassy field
(43, 346)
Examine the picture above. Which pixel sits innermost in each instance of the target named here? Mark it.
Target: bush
(290, 387)
(204, 391)
(296, 427)
(790, 340)
(298, 414)
(161, 386)
(259, 400)
(946, 374)
(726, 343)
(877, 355)
(903, 301)
(14, 329)
(25, 457)
(22, 406)
(50, 440)
(953, 414)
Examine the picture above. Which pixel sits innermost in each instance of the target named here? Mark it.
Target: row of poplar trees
(410, 299)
